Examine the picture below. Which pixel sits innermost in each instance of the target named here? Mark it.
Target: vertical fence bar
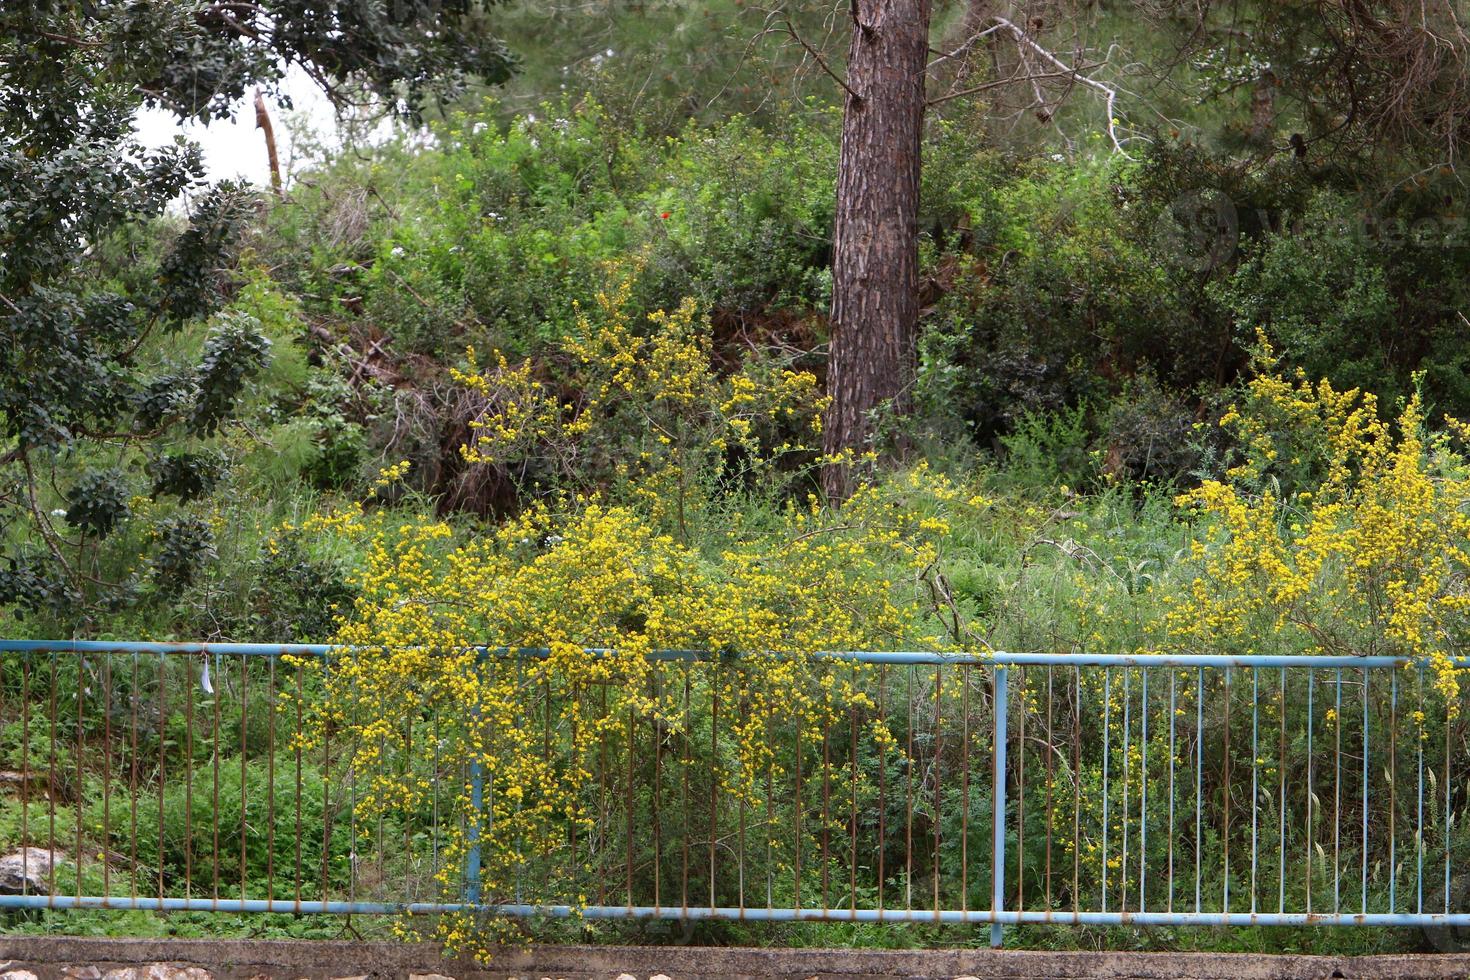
(1127, 769)
(882, 782)
(1281, 797)
(1419, 820)
(1199, 769)
(1076, 789)
(162, 740)
(298, 760)
(1337, 795)
(189, 776)
(1393, 778)
(653, 724)
(603, 813)
(1366, 756)
(80, 776)
(1225, 794)
(627, 815)
(1021, 790)
(1445, 818)
(1255, 772)
(473, 894)
(270, 782)
(1143, 795)
(688, 741)
(852, 853)
(1050, 783)
(908, 799)
(965, 787)
(1106, 753)
(244, 782)
(826, 806)
(214, 737)
(714, 782)
(770, 803)
(25, 768)
(1173, 700)
(998, 829)
(938, 784)
(1311, 793)
(327, 814)
(796, 842)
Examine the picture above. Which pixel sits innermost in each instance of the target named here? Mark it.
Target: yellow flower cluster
(1366, 554)
(392, 474)
(531, 648)
(642, 405)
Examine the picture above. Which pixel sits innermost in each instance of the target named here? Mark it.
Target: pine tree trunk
(875, 245)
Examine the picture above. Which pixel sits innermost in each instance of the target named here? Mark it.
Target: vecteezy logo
(1198, 230)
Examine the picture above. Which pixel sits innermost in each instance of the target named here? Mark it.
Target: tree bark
(1263, 112)
(263, 122)
(874, 323)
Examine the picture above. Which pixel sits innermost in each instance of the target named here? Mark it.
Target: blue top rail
(997, 658)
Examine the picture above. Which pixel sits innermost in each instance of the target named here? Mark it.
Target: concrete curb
(54, 958)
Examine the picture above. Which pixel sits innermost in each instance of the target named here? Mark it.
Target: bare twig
(1026, 42)
(999, 83)
(75, 42)
(969, 43)
(785, 26)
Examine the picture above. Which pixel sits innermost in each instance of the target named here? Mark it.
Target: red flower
(665, 215)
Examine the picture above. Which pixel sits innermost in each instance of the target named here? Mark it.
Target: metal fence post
(998, 833)
(473, 883)
(472, 834)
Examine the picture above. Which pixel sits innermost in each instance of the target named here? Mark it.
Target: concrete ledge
(54, 958)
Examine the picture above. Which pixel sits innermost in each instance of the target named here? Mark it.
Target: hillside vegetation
(548, 369)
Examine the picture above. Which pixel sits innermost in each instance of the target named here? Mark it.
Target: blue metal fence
(1023, 789)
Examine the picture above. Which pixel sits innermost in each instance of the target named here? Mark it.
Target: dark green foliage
(1363, 292)
(56, 379)
(99, 500)
(1373, 84)
(1153, 436)
(234, 352)
(296, 597)
(1046, 296)
(186, 545)
(200, 59)
(197, 265)
(31, 585)
(96, 313)
(655, 66)
(186, 475)
(736, 216)
(164, 399)
(764, 198)
(1139, 289)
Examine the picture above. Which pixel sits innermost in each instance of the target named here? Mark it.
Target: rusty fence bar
(1008, 790)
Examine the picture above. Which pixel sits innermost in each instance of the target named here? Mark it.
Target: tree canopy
(82, 298)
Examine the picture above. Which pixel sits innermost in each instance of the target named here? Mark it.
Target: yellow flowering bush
(1337, 533)
(495, 680)
(1337, 530)
(640, 408)
(532, 649)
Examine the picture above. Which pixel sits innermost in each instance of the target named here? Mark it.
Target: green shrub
(190, 820)
(1049, 449)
